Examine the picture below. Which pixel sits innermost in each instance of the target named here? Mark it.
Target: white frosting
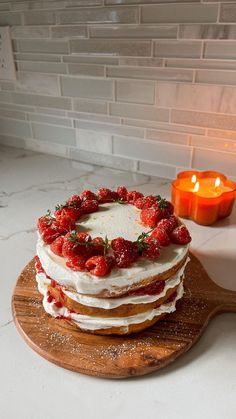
(113, 220)
(111, 303)
(95, 323)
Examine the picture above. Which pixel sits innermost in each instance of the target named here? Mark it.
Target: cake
(111, 262)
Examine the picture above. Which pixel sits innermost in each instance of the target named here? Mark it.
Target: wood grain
(112, 356)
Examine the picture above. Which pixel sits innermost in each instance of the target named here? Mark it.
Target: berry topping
(150, 216)
(180, 235)
(74, 201)
(97, 265)
(50, 234)
(76, 263)
(161, 235)
(151, 248)
(45, 222)
(90, 205)
(69, 248)
(56, 246)
(88, 195)
(139, 203)
(149, 201)
(105, 195)
(125, 252)
(99, 246)
(133, 196)
(122, 193)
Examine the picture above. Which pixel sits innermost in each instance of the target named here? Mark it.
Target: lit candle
(203, 196)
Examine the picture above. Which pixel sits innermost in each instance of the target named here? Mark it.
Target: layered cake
(111, 262)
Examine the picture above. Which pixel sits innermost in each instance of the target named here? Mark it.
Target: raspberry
(88, 195)
(97, 265)
(118, 244)
(56, 226)
(97, 246)
(76, 263)
(44, 222)
(149, 201)
(89, 206)
(151, 248)
(49, 235)
(74, 201)
(161, 235)
(125, 252)
(139, 203)
(69, 248)
(165, 225)
(66, 223)
(133, 196)
(105, 195)
(175, 222)
(71, 213)
(83, 237)
(150, 216)
(56, 246)
(110, 262)
(180, 235)
(122, 193)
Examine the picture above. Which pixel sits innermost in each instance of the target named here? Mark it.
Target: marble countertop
(200, 384)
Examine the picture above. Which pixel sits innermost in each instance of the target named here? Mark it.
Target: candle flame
(217, 182)
(196, 187)
(194, 179)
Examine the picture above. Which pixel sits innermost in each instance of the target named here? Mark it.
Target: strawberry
(133, 196)
(88, 206)
(76, 263)
(180, 235)
(161, 235)
(122, 193)
(150, 216)
(151, 248)
(88, 195)
(97, 265)
(56, 246)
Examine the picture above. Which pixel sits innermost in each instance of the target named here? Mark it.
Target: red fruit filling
(152, 289)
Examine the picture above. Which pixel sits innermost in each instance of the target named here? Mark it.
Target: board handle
(226, 301)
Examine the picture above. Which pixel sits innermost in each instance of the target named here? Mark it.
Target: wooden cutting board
(112, 356)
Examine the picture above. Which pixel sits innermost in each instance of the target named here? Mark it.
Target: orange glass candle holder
(205, 197)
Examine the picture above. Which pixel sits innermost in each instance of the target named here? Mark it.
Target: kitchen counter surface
(200, 384)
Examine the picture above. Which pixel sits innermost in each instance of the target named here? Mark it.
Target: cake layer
(111, 303)
(91, 323)
(119, 281)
